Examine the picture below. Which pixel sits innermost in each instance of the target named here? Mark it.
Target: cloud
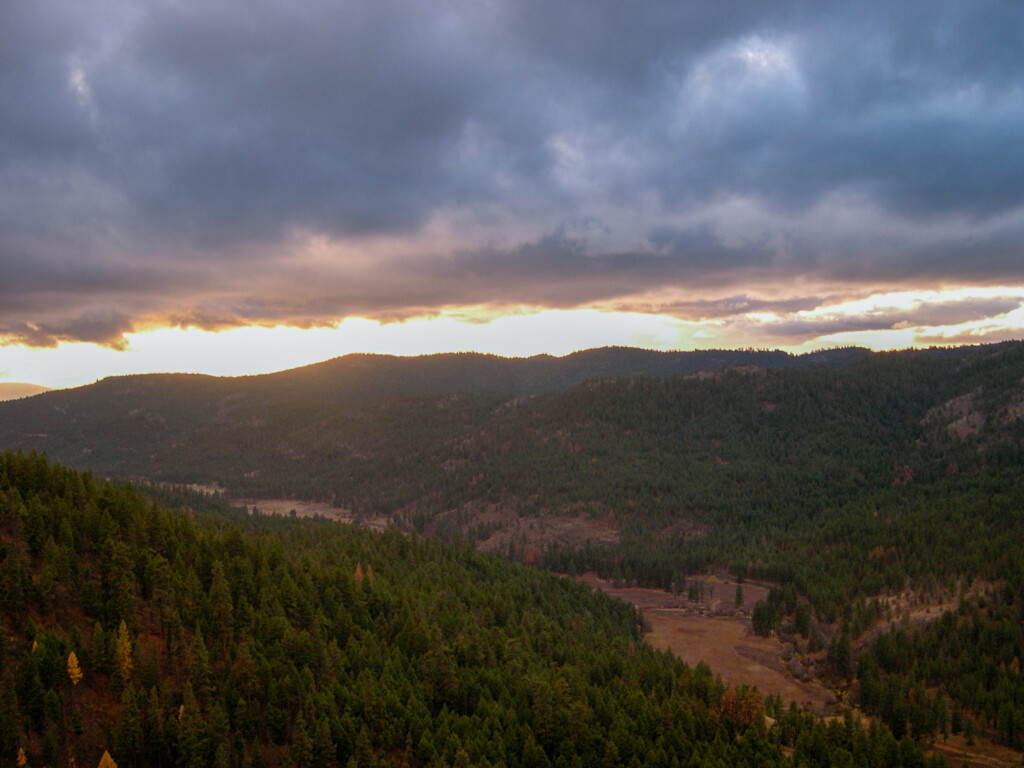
(185, 163)
(727, 307)
(976, 336)
(106, 329)
(910, 312)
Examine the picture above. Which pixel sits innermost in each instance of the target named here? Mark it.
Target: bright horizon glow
(257, 350)
(680, 181)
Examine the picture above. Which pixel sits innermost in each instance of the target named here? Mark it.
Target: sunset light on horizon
(252, 350)
(187, 188)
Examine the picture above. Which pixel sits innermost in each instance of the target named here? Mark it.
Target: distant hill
(384, 434)
(114, 425)
(363, 377)
(648, 465)
(12, 390)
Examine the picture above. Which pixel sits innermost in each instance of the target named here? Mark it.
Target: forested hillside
(849, 486)
(847, 481)
(346, 410)
(961, 673)
(209, 637)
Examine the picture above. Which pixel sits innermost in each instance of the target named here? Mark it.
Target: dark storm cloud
(166, 157)
(107, 328)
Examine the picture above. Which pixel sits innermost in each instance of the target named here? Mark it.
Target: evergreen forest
(145, 635)
(855, 484)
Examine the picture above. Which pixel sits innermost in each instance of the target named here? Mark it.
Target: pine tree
(15, 584)
(763, 618)
(838, 655)
(128, 735)
(193, 733)
(323, 744)
(153, 726)
(221, 608)
(99, 656)
(302, 743)
(10, 714)
(199, 673)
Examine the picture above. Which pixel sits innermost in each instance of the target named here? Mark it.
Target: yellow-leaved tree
(74, 671)
(124, 653)
(107, 761)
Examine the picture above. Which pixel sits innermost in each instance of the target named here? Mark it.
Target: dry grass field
(309, 509)
(709, 632)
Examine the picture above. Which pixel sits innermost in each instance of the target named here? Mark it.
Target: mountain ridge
(484, 372)
(14, 390)
(140, 425)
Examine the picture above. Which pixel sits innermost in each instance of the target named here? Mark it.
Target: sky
(239, 186)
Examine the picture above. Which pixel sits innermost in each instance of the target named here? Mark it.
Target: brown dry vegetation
(962, 416)
(982, 754)
(713, 633)
(729, 647)
(959, 415)
(285, 507)
(913, 610)
(497, 528)
(537, 532)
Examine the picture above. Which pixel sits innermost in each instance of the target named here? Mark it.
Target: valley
(711, 631)
(869, 508)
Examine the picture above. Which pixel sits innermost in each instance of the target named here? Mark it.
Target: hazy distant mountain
(379, 432)
(192, 427)
(12, 390)
(363, 377)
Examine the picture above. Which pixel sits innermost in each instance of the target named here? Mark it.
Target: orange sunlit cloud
(879, 321)
(678, 176)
